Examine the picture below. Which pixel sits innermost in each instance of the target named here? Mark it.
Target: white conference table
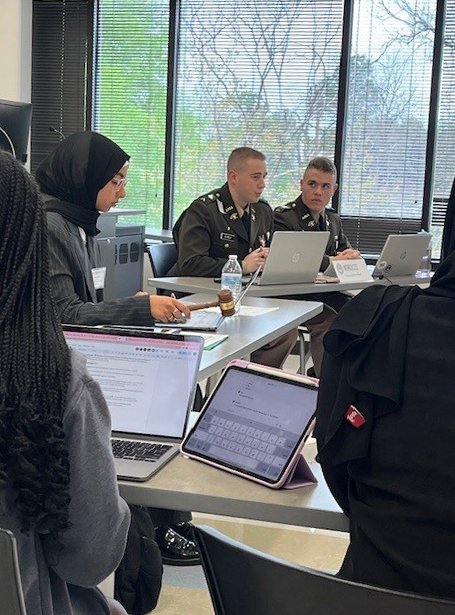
(247, 333)
(162, 235)
(185, 484)
(204, 285)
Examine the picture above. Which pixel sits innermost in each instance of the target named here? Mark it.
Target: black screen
(15, 120)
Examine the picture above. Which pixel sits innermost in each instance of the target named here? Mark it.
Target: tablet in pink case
(255, 424)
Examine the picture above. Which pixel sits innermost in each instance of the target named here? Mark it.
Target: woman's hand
(166, 309)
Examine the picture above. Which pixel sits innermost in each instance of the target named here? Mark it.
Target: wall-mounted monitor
(15, 121)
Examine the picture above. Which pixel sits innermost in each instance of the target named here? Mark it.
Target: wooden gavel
(225, 303)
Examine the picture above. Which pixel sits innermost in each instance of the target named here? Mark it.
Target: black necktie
(321, 223)
(246, 221)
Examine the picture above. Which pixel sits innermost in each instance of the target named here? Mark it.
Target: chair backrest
(11, 596)
(162, 257)
(243, 580)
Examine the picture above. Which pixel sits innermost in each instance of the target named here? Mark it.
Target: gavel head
(226, 302)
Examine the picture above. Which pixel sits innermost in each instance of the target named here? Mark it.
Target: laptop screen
(254, 422)
(148, 380)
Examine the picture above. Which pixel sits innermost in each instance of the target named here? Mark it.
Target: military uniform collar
(304, 214)
(225, 200)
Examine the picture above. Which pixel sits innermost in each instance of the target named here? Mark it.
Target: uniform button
(250, 250)
(226, 245)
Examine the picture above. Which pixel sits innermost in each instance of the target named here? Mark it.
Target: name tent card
(350, 270)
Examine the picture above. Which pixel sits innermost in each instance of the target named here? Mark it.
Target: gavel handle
(202, 306)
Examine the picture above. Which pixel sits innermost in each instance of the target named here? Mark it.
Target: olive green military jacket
(210, 229)
(295, 216)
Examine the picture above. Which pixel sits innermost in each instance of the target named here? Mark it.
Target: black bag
(139, 575)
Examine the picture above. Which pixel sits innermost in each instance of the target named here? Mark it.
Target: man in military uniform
(309, 212)
(231, 220)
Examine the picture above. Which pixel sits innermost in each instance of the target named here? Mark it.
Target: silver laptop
(295, 257)
(401, 255)
(149, 381)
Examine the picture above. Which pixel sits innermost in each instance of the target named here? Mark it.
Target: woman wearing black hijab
(386, 433)
(85, 175)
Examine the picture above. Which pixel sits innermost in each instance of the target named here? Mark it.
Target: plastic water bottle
(231, 278)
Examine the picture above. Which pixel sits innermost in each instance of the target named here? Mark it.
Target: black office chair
(11, 596)
(162, 257)
(244, 581)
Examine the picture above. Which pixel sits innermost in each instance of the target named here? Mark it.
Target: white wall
(15, 49)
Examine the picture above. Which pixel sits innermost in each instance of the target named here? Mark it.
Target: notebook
(295, 257)
(255, 423)
(149, 382)
(401, 255)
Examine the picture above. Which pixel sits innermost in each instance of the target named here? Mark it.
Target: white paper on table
(247, 310)
(251, 310)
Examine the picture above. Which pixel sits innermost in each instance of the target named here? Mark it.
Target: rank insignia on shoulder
(229, 208)
(305, 216)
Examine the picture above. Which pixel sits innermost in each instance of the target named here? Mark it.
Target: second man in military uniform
(309, 212)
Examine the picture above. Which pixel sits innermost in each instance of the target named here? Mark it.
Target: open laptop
(149, 382)
(401, 255)
(295, 257)
(255, 423)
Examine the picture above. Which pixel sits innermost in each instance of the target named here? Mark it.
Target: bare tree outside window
(257, 73)
(388, 104)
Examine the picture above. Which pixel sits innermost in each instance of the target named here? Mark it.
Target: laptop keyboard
(138, 451)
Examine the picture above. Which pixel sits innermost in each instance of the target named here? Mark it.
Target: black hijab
(365, 359)
(74, 174)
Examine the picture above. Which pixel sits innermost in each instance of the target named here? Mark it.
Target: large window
(262, 73)
(130, 93)
(60, 72)
(444, 170)
(180, 83)
(387, 119)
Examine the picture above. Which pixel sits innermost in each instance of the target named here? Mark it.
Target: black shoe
(176, 549)
(185, 529)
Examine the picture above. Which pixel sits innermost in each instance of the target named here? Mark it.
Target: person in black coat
(309, 212)
(385, 428)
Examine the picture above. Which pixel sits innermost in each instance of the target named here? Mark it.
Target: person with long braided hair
(58, 491)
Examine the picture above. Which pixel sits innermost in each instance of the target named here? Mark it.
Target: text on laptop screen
(147, 382)
(254, 422)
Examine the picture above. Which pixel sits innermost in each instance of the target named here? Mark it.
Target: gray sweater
(61, 579)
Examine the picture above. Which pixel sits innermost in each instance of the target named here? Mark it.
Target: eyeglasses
(120, 183)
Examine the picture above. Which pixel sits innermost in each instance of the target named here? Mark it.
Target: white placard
(99, 277)
(349, 270)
